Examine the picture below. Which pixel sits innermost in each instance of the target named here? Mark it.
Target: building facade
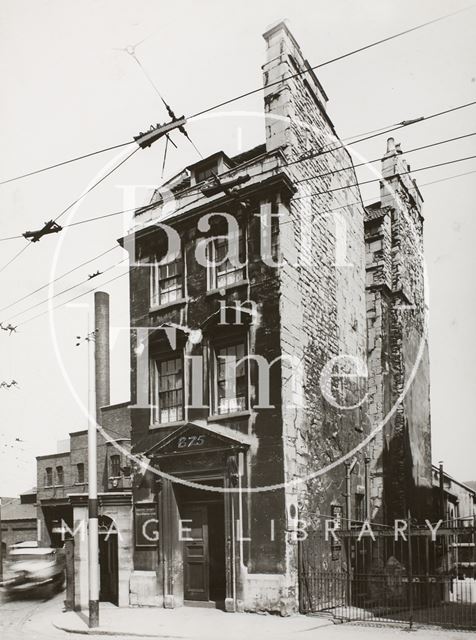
(63, 513)
(268, 345)
(397, 343)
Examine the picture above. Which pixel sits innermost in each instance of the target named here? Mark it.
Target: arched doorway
(108, 561)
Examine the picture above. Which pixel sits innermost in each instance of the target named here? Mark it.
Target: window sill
(227, 287)
(220, 417)
(163, 425)
(168, 305)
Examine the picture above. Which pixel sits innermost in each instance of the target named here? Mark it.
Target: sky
(69, 87)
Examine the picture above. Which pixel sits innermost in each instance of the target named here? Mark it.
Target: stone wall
(322, 304)
(398, 347)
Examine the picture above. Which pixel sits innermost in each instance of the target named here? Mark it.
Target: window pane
(231, 383)
(115, 465)
(226, 273)
(168, 392)
(166, 282)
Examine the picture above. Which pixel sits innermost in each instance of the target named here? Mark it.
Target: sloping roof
(29, 492)
(16, 511)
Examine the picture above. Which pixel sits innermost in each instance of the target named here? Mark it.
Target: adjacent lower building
(18, 520)
(63, 510)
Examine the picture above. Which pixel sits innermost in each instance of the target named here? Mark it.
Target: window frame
(114, 460)
(59, 476)
(156, 289)
(359, 507)
(213, 274)
(48, 476)
(80, 475)
(154, 388)
(214, 400)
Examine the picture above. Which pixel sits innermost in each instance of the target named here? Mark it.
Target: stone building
(398, 362)
(231, 467)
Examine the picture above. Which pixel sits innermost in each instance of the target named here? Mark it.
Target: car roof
(27, 544)
(34, 551)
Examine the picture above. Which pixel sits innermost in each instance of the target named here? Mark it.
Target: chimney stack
(101, 352)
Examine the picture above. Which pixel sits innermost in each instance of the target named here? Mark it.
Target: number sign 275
(184, 442)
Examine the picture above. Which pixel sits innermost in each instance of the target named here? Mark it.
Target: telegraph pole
(100, 341)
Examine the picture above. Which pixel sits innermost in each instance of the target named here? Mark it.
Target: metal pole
(410, 569)
(93, 535)
(348, 514)
(368, 504)
(441, 483)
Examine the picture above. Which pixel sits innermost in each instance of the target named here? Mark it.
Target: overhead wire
(286, 164)
(367, 162)
(330, 61)
(28, 295)
(357, 202)
(103, 284)
(98, 182)
(65, 162)
(359, 184)
(169, 110)
(240, 96)
(60, 293)
(17, 255)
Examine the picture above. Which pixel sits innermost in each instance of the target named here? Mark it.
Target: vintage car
(30, 567)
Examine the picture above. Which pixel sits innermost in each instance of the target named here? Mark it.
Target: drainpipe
(349, 467)
(442, 490)
(368, 507)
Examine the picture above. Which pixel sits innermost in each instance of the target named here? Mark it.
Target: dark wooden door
(195, 552)
(108, 569)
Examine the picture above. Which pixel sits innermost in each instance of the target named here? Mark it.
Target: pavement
(188, 622)
(38, 618)
(194, 623)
